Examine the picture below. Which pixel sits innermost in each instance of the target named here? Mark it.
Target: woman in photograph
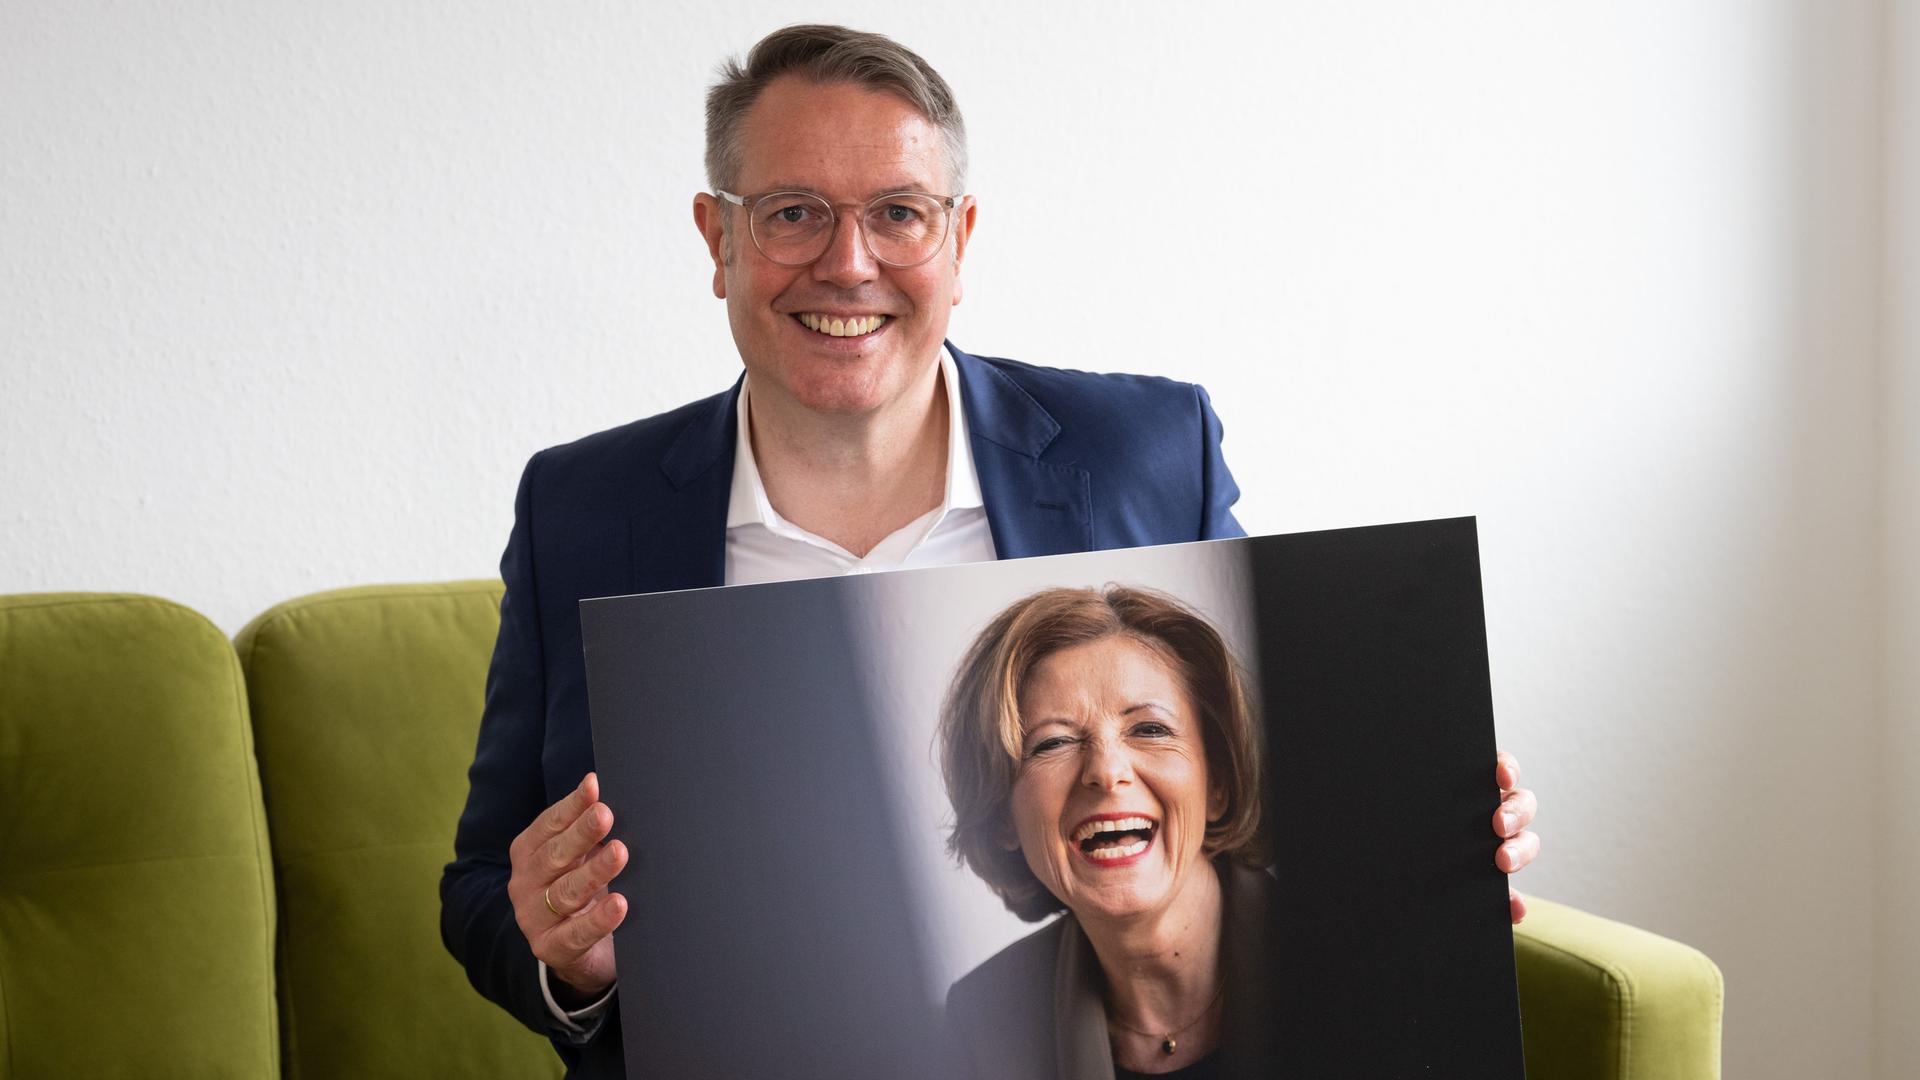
(1102, 760)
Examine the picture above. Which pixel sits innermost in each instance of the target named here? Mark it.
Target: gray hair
(829, 54)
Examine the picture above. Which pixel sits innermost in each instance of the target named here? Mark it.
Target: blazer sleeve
(505, 793)
(1218, 491)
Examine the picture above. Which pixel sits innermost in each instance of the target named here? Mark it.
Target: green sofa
(365, 705)
(136, 897)
(148, 927)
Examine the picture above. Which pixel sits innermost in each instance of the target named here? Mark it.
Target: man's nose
(846, 262)
(1107, 765)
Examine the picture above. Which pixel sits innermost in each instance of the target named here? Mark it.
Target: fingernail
(1507, 823)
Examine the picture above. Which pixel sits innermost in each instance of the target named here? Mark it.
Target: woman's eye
(1152, 730)
(1047, 745)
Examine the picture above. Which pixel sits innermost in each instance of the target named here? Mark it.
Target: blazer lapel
(1248, 900)
(679, 536)
(1080, 1047)
(1033, 507)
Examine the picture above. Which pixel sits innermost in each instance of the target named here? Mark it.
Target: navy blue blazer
(1068, 461)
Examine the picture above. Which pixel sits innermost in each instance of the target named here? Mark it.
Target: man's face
(847, 144)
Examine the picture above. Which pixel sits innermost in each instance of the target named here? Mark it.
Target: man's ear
(963, 217)
(710, 217)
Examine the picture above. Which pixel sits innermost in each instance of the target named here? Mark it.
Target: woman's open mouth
(1114, 840)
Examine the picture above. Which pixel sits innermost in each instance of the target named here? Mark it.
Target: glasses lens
(905, 230)
(791, 227)
(794, 228)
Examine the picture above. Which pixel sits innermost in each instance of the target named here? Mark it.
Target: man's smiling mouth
(841, 325)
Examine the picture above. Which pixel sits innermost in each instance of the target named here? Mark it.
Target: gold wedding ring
(547, 895)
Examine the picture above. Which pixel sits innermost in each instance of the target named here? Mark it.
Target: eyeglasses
(794, 228)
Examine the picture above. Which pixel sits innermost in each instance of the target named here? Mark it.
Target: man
(856, 440)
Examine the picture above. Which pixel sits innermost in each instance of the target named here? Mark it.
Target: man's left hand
(1519, 844)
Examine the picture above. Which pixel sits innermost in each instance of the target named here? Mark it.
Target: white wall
(292, 290)
(1897, 982)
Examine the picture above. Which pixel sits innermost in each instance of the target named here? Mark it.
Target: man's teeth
(1119, 852)
(1113, 825)
(842, 327)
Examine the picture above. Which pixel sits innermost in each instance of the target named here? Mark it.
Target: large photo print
(971, 821)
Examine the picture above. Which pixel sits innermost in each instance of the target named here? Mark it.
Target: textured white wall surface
(289, 292)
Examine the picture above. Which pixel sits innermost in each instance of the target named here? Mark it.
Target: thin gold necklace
(1168, 1044)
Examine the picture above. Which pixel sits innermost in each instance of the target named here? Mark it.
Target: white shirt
(763, 546)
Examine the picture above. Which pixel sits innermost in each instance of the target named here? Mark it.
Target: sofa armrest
(1603, 1000)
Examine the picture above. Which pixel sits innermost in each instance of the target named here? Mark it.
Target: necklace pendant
(1167, 1045)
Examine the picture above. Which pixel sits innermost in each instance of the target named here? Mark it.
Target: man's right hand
(559, 888)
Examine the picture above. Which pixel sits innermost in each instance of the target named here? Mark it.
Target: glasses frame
(748, 202)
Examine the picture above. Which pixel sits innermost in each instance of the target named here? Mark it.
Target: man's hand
(1510, 822)
(559, 888)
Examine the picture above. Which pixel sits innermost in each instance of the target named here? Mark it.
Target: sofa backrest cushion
(366, 703)
(136, 894)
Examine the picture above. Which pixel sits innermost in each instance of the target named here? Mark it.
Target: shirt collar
(747, 503)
